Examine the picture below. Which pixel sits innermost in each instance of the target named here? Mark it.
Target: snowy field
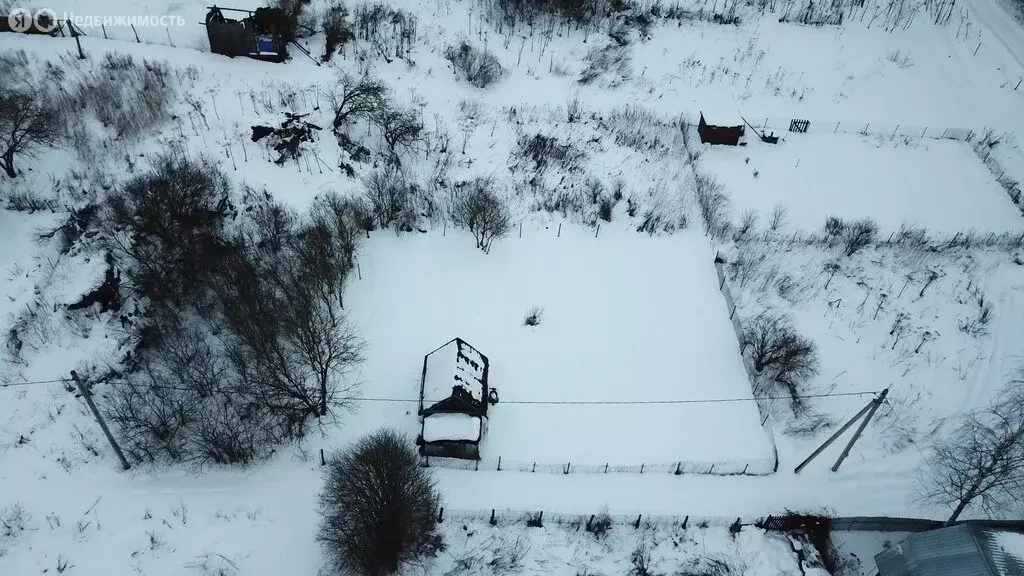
(625, 318)
(937, 184)
(629, 317)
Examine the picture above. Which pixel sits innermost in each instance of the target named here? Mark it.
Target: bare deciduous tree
(362, 98)
(387, 193)
(781, 353)
(981, 463)
(478, 208)
(378, 508)
(27, 123)
(336, 29)
(400, 128)
(778, 218)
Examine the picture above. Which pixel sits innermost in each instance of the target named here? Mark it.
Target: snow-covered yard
(624, 318)
(941, 185)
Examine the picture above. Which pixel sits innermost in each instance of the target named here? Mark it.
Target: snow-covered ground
(626, 317)
(937, 184)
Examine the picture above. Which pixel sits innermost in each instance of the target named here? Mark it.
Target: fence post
(642, 468)
(678, 471)
(976, 49)
(477, 467)
(606, 464)
(598, 231)
(944, 132)
(837, 128)
(322, 461)
(494, 521)
(590, 523)
(499, 463)
(895, 130)
(567, 467)
(745, 468)
(520, 229)
(559, 230)
(712, 469)
(534, 468)
(685, 521)
(136, 34)
(104, 28)
(637, 523)
(923, 132)
(440, 515)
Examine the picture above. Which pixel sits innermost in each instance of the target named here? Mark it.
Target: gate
(799, 126)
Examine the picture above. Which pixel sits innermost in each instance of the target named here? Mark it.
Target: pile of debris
(287, 140)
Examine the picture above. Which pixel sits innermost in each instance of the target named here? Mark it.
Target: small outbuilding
(728, 129)
(961, 550)
(453, 401)
(260, 34)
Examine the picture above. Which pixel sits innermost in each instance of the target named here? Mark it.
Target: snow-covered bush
(859, 234)
(476, 206)
(714, 205)
(612, 60)
(13, 521)
(479, 67)
(378, 507)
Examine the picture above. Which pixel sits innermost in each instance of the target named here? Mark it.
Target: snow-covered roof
(955, 551)
(722, 116)
(451, 427)
(454, 364)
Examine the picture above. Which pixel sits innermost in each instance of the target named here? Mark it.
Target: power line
(33, 382)
(519, 402)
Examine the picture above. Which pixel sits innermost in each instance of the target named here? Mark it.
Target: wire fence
(536, 518)
(756, 386)
(778, 125)
(759, 467)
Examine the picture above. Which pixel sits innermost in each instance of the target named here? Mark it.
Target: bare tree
(27, 123)
(387, 193)
(781, 353)
(478, 208)
(362, 98)
(400, 128)
(379, 507)
(981, 463)
(778, 218)
(748, 222)
(336, 29)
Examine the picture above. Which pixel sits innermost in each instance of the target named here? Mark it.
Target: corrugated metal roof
(1005, 551)
(953, 551)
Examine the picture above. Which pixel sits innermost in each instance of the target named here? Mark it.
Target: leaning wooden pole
(87, 396)
(856, 435)
(832, 438)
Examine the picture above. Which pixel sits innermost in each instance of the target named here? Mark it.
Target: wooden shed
(728, 129)
(454, 396)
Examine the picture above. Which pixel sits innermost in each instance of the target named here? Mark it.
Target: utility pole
(869, 410)
(83, 387)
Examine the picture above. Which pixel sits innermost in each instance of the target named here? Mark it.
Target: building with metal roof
(961, 550)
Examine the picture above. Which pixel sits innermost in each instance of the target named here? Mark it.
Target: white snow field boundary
(626, 371)
(937, 184)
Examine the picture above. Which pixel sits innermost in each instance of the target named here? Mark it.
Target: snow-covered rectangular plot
(939, 184)
(451, 427)
(625, 318)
